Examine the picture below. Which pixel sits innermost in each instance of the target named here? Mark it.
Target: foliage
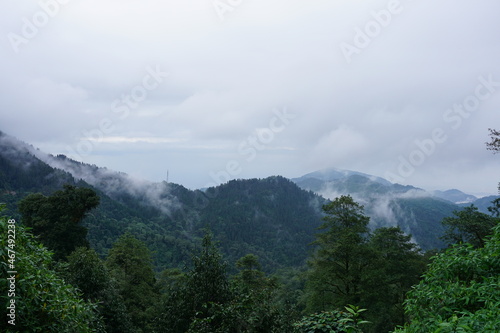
(129, 263)
(256, 305)
(354, 321)
(206, 301)
(44, 302)
(396, 266)
(494, 144)
(56, 219)
(204, 289)
(86, 271)
(460, 292)
(271, 218)
(332, 321)
(353, 266)
(336, 269)
(468, 226)
(495, 208)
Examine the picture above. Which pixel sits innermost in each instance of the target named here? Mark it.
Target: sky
(211, 90)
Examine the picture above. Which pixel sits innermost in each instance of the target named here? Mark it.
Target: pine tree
(341, 257)
(130, 264)
(396, 266)
(194, 302)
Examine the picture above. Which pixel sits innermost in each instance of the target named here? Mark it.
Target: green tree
(56, 219)
(130, 264)
(468, 226)
(43, 301)
(342, 255)
(495, 208)
(397, 265)
(257, 305)
(196, 300)
(86, 271)
(460, 291)
(170, 279)
(250, 270)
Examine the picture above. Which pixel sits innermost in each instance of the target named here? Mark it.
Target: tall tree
(130, 264)
(86, 271)
(257, 306)
(397, 265)
(196, 297)
(250, 271)
(342, 255)
(468, 226)
(56, 219)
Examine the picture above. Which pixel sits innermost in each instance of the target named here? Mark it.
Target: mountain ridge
(274, 217)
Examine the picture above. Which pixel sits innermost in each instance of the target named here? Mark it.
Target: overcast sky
(208, 90)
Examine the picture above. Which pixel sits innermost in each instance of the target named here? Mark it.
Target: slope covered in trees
(149, 265)
(270, 217)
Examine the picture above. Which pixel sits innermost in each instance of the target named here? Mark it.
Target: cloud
(338, 146)
(121, 139)
(227, 76)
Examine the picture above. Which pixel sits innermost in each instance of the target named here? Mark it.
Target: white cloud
(227, 76)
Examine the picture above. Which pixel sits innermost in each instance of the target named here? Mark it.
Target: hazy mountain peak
(455, 196)
(332, 174)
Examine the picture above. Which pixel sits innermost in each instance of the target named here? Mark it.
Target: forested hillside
(255, 255)
(416, 211)
(270, 217)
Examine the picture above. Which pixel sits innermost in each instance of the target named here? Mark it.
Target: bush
(332, 322)
(460, 292)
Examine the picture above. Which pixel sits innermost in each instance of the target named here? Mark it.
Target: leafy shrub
(44, 302)
(460, 292)
(332, 321)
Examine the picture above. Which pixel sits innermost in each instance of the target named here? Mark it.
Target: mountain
(455, 196)
(272, 217)
(482, 203)
(415, 210)
(334, 174)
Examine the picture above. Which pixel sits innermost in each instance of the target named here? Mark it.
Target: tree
(86, 271)
(250, 270)
(197, 298)
(56, 219)
(256, 305)
(494, 144)
(397, 265)
(43, 301)
(342, 255)
(130, 264)
(468, 226)
(459, 292)
(495, 209)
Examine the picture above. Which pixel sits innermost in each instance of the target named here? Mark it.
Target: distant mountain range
(416, 211)
(342, 181)
(274, 218)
